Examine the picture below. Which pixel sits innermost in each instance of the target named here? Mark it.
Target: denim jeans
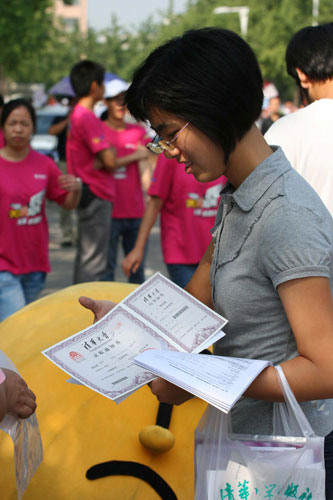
(328, 452)
(125, 230)
(17, 290)
(181, 273)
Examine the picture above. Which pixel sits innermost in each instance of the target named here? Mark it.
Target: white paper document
(219, 380)
(156, 315)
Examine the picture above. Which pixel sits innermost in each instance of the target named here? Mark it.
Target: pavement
(62, 258)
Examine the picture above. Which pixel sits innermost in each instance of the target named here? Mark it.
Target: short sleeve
(284, 133)
(54, 192)
(295, 243)
(94, 133)
(162, 178)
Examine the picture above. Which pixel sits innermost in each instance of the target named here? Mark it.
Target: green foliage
(33, 50)
(24, 29)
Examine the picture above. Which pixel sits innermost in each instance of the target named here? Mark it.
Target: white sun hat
(115, 87)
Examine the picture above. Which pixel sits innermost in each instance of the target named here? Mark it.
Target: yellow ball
(156, 438)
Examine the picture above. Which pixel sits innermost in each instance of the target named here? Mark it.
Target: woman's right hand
(98, 307)
(141, 153)
(132, 261)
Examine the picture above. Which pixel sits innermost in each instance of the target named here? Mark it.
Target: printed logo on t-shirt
(40, 176)
(97, 140)
(28, 214)
(129, 145)
(120, 173)
(206, 206)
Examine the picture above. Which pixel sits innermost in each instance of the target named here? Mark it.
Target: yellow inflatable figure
(81, 428)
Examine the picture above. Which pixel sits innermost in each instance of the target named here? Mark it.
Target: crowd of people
(100, 158)
(244, 224)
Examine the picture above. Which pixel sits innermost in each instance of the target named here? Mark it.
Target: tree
(24, 28)
(34, 50)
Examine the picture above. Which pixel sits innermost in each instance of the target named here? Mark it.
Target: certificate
(157, 315)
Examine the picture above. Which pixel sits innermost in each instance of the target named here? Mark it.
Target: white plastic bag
(28, 448)
(246, 467)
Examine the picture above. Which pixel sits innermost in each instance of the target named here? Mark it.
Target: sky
(130, 13)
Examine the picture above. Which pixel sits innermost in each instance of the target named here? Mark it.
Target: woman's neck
(116, 124)
(250, 151)
(11, 154)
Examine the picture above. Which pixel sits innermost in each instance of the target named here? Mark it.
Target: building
(73, 14)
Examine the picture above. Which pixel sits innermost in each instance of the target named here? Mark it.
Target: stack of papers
(219, 380)
(157, 315)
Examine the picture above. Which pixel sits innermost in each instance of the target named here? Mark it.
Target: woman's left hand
(69, 182)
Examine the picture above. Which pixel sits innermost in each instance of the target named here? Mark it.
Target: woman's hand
(69, 183)
(142, 153)
(98, 307)
(19, 399)
(168, 393)
(132, 261)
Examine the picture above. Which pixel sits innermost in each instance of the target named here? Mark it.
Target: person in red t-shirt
(188, 210)
(2, 138)
(26, 179)
(91, 158)
(128, 208)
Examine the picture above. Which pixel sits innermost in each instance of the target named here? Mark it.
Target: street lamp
(243, 13)
(315, 12)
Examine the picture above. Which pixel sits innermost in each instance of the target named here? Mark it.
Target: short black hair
(311, 50)
(2, 102)
(209, 77)
(10, 106)
(83, 74)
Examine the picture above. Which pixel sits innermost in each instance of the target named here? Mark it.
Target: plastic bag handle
(293, 405)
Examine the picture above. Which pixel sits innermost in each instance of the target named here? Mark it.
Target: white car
(42, 141)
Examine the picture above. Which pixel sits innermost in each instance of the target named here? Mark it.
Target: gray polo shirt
(272, 229)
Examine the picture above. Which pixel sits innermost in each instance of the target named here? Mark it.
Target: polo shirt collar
(257, 183)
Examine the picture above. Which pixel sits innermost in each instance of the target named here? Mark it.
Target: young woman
(26, 179)
(128, 207)
(269, 266)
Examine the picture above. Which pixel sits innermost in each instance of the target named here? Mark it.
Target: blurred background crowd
(57, 37)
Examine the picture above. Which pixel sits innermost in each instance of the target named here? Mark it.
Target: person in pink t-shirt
(2, 137)
(188, 209)
(91, 158)
(128, 208)
(27, 178)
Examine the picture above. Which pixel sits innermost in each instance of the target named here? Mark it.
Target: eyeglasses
(158, 145)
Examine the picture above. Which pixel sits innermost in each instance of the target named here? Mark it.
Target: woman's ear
(303, 78)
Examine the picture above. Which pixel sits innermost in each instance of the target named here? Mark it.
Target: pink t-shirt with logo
(129, 200)
(24, 235)
(188, 212)
(86, 138)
